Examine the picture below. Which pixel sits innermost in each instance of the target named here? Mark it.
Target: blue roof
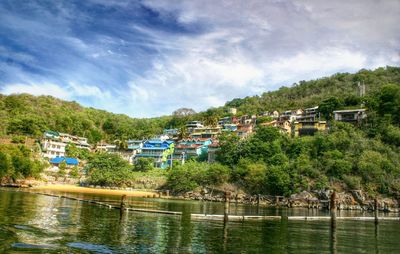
(57, 160)
(68, 161)
(71, 161)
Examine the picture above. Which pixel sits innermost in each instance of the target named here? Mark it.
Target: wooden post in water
(226, 208)
(122, 206)
(332, 206)
(123, 202)
(376, 206)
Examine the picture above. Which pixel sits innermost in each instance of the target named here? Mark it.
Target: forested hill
(310, 93)
(30, 115)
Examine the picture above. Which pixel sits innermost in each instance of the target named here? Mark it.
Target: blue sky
(148, 58)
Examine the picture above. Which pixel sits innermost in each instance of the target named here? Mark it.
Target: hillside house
(230, 127)
(246, 119)
(232, 111)
(308, 128)
(284, 126)
(354, 116)
(244, 130)
(206, 132)
(224, 120)
(190, 126)
(52, 145)
(291, 115)
(80, 142)
(55, 163)
(191, 148)
(104, 147)
(135, 146)
(159, 150)
(171, 132)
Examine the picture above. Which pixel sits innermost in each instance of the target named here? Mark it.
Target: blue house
(69, 161)
(191, 148)
(160, 150)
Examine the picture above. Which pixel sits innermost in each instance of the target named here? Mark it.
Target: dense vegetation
(25, 114)
(306, 94)
(111, 170)
(365, 157)
(17, 162)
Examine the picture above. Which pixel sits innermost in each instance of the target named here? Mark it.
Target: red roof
(195, 139)
(188, 146)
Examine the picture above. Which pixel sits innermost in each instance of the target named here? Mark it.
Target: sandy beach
(78, 189)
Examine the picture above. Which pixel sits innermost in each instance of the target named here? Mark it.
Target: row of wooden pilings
(332, 207)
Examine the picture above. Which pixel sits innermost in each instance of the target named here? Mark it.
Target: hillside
(310, 93)
(25, 114)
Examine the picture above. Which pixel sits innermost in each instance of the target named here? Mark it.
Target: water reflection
(31, 223)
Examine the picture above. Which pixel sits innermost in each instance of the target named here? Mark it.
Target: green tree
(62, 169)
(217, 174)
(74, 173)
(327, 107)
(108, 170)
(143, 164)
(5, 166)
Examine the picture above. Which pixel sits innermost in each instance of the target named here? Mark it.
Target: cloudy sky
(148, 58)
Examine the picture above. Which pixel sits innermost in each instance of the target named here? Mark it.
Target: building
(244, 130)
(274, 114)
(283, 125)
(308, 128)
(53, 143)
(354, 116)
(135, 146)
(190, 126)
(232, 111)
(206, 132)
(191, 148)
(52, 148)
(224, 120)
(230, 127)
(311, 111)
(246, 119)
(104, 147)
(79, 142)
(159, 150)
(70, 162)
(291, 115)
(171, 132)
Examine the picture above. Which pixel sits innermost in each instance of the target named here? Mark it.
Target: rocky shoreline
(354, 200)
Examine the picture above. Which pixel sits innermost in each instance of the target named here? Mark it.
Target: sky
(148, 58)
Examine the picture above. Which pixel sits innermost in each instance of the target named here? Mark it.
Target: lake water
(31, 223)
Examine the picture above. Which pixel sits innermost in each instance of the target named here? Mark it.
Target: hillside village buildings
(54, 143)
(201, 141)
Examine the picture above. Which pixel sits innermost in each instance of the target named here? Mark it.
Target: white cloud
(314, 64)
(68, 92)
(197, 54)
(37, 89)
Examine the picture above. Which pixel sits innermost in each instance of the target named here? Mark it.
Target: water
(31, 223)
